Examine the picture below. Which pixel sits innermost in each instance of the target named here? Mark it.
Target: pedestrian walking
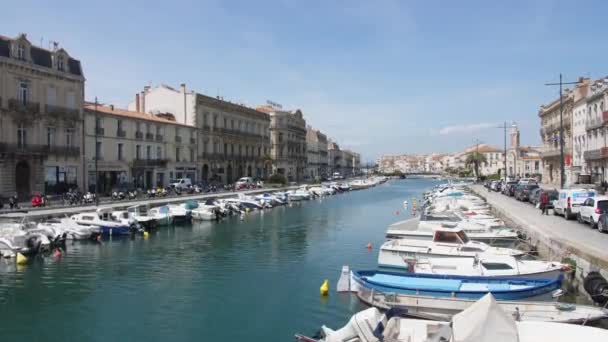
(544, 203)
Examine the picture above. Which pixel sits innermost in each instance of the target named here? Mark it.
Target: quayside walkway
(568, 237)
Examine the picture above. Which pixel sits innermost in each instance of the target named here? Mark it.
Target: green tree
(475, 159)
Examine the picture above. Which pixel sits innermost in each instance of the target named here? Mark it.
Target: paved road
(571, 233)
(38, 212)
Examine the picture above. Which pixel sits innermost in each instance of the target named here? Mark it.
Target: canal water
(255, 279)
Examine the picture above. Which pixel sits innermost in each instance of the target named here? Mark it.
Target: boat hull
(442, 308)
(115, 231)
(456, 286)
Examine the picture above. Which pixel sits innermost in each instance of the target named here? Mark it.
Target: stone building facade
(288, 142)
(233, 140)
(316, 145)
(136, 150)
(550, 134)
(41, 97)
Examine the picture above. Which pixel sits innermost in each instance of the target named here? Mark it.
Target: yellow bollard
(146, 235)
(324, 288)
(21, 259)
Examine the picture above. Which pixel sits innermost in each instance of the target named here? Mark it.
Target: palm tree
(475, 159)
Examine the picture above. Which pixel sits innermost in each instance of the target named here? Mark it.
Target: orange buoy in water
(369, 245)
(57, 253)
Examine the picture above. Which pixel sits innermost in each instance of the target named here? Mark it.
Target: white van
(182, 183)
(569, 201)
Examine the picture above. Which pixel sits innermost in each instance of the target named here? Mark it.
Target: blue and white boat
(102, 219)
(457, 286)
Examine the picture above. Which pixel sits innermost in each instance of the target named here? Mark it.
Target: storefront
(59, 179)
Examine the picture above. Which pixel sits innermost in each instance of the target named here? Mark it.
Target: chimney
(137, 102)
(182, 87)
(112, 107)
(142, 98)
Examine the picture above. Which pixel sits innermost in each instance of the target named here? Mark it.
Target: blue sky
(382, 76)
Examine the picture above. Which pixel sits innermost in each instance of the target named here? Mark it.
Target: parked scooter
(13, 202)
(38, 201)
(132, 194)
(88, 198)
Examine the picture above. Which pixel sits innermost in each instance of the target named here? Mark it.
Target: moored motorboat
(101, 219)
(444, 308)
(455, 286)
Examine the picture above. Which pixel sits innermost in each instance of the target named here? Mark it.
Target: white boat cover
(484, 321)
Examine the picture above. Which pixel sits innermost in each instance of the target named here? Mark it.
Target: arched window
(21, 52)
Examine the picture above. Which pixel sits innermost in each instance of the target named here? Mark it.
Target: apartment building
(41, 97)
(136, 149)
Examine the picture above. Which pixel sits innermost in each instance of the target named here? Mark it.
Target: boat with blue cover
(457, 286)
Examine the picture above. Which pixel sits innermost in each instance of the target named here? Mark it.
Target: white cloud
(466, 128)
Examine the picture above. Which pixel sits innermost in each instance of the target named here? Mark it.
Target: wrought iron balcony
(178, 139)
(149, 136)
(193, 140)
(159, 138)
(32, 149)
(21, 107)
(150, 162)
(62, 112)
(121, 133)
(600, 153)
(100, 131)
(139, 135)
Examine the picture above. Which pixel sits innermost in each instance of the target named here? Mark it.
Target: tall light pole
(96, 155)
(561, 128)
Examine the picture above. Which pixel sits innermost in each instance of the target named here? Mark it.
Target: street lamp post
(561, 128)
(96, 155)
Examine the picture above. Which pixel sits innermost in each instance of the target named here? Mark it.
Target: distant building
(316, 145)
(522, 161)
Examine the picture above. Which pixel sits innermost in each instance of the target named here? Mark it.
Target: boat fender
(21, 259)
(597, 287)
(57, 253)
(146, 234)
(324, 289)
(369, 245)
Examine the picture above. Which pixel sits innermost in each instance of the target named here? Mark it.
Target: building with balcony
(41, 96)
(288, 141)
(579, 128)
(335, 158)
(550, 135)
(233, 140)
(316, 146)
(135, 149)
(595, 156)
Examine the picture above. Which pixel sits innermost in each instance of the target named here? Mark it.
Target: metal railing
(139, 135)
(27, 107)
(150, 162)
(100, 131)
(149, 136)
(159, 138)
(64, 112)
(121, 133)
(40, 149)
(178, 139)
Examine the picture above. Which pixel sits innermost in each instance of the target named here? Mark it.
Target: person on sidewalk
(544, 203)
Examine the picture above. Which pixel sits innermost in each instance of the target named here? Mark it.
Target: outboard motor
(597, 287)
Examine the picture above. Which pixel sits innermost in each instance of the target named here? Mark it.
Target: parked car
(569, 201)
(535, 196)
(496, 185)
(509, 188)
(526, 181)
(244, 183)
(591, 210)
(523, 191)
(181, 183)
(602, 223)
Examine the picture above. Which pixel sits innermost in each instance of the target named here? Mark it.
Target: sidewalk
(571, 234)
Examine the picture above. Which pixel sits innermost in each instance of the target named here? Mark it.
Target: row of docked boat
(453, 274)
(27, 237)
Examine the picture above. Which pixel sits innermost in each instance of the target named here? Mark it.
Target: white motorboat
(140, 214)
(161, 215)
(270, 199)
(423, 230)
(495, 266)
(101, 219)
(245, 203)
(179, 213)
(298, 195)
(206, 212)
(446, 243)
(71, 229)
(443, 308)
(484, 320)
(14, 238)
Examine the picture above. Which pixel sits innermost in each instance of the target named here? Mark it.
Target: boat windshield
(463, 236)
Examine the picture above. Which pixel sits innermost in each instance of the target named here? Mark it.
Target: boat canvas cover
(484, 321)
